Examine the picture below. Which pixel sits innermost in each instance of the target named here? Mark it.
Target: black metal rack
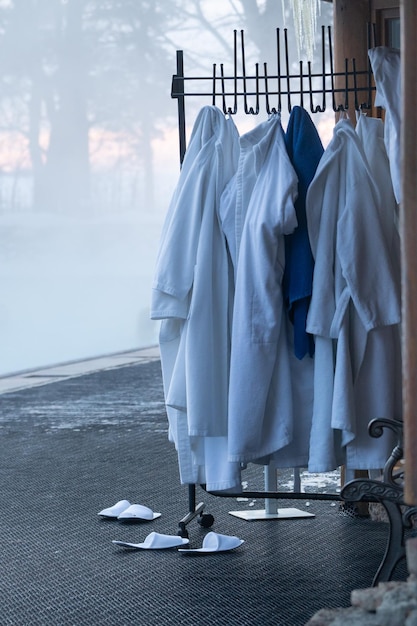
(285, 87)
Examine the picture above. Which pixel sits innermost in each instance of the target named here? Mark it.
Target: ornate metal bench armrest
(367, 490)
(376, 429)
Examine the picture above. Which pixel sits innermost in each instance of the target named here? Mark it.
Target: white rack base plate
(261, 514)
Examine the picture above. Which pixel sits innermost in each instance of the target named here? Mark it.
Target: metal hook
(234, 111)
(228, 110)
(225, 109)
(256, 111)
(323, 69)
(249, 110)
(347, 84)
(287, 67)
(355, 85)
(279, 71)
(339, 107)
(318, 108)
(268, 108)
(359, 106)
(214, 86)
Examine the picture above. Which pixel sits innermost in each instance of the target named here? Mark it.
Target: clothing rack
(340, 88)
(283, 87)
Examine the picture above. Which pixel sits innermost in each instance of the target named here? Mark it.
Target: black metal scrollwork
(389, 493)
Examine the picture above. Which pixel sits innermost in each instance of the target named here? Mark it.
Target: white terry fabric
(254, 147)
(355, 304)
(190, 295)
(229, 383)
(260, 402)
(296, 452)
(371, 133)
(370, 130)
(386, 67)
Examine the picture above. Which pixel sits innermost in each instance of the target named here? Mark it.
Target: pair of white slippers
(213, 542)
(126, 512)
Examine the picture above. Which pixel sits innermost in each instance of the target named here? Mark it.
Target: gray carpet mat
(71, 448)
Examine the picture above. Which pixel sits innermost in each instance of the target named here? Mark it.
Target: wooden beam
(408, 225)
(350, 21)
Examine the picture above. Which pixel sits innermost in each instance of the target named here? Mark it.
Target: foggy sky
(89, 160)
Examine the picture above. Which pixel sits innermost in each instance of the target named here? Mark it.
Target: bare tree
(73, 65)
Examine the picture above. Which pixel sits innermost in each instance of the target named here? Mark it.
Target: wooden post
(350, 41)
(408, 224)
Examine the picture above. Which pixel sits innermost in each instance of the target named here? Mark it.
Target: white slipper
(115, 510)
(214, 542)
(155, 541)
(137, 512)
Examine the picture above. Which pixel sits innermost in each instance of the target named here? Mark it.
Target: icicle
(305, 22)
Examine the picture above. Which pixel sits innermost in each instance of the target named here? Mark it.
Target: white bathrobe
(354, 311)
(386, 68)
(260, 399)
(190, 296)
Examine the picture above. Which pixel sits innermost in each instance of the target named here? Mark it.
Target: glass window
(392, 30)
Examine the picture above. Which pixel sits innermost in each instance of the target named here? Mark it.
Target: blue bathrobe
(305, 150)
